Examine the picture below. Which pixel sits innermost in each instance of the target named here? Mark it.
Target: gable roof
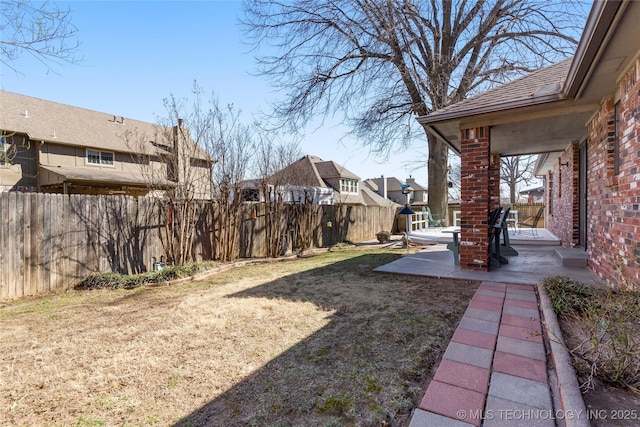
(53, 122)
(312, 171)
(302, 172)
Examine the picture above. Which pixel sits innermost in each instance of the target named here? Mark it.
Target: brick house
(50, 147)
(581, 116)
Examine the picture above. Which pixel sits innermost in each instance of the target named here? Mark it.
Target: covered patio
(530, 267)
(547, 112)
(524, 117)
(540, 255)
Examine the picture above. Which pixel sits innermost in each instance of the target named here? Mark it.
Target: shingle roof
(115, 177)
(63, 124)
(543, 83)
(312, 170)
(371, 198)
(331, 169)
(301, 172)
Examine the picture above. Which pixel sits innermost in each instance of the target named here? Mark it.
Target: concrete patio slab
(530, 267)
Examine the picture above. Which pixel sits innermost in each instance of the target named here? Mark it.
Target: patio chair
(493, 216)
(531, 222)
(431, 220)
(496, 259)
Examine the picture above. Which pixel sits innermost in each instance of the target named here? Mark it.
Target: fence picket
(50, 241)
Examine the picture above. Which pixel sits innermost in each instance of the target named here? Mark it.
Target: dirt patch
(608, 406)
(317, 341)
(601, 328)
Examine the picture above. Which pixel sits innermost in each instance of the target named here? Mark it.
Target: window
(349, 186)
(104, 158)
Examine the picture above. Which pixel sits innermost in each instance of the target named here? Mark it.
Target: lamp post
(408, 212)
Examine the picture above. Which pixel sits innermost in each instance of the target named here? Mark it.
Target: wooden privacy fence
(525, 210)
(48, 242)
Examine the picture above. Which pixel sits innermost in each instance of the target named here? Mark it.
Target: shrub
(127, 281)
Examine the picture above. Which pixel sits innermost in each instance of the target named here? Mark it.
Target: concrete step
(572, 257)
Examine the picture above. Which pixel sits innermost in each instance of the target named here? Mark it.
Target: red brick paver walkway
(493, 372)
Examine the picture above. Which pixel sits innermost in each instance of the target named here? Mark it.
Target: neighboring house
(252, 191)
(325, 182)
(56, 148)
(392, 188)
(534, 195)
(581, 115)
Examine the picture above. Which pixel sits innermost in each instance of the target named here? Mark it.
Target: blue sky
(136, 53)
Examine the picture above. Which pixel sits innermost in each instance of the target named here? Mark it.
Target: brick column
(477, 181)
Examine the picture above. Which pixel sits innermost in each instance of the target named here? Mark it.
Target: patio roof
(103, 177)
(548, 109)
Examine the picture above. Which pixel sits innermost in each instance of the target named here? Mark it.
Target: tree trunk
(437, 175)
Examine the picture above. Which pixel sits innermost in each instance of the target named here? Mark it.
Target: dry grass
(316, 341)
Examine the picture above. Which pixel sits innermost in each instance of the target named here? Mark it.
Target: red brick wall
(613, 243)
(475, 199)
(563, 213)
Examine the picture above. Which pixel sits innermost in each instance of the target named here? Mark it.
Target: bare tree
(40, 29)
(516, 170)
(233, 146)
(218, 130)
(176, 162)
(454, 180)
(380, 62)
(273, 156)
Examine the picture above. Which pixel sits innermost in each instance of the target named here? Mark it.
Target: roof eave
(602, 15)
(436, 133)
(495, 108)
(429, 122)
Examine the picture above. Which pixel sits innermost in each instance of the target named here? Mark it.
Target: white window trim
(348, 182)
(100, 152)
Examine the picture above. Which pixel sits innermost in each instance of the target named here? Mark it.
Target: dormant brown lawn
(319, 341)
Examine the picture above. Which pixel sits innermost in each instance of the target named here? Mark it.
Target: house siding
(613, 199)
(613, 244)
(19, 172)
